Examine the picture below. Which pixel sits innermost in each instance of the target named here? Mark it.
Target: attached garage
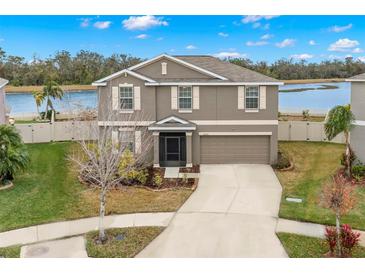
(235, 149)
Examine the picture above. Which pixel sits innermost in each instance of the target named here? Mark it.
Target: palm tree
(13, 153)
(39, 98)
(340, 119)
(51, 90)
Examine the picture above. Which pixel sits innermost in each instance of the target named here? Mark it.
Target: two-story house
(201, 110)
(3, 83)
(357, 136)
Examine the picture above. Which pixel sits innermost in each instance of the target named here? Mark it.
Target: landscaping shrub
(129, 171)
(352, 158)
(358, 171)
(305, 114)
(283, 161)
(348, 240)
(157, 179)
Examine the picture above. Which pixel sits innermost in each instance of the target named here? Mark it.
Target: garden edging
(64, 229)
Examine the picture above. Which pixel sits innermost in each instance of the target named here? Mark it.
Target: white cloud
(142, 36)
(312, 42)
(256, 25)
(102, 24)
(286, 43)
(361, 58)
(224, 54)
(255, 44)
(343, 45)
(267, 36)
(357, 50)
(254, 18)
(223, 34)
(85, 22)
(143, 22)
(190, 47)
(303, 56)
(340, 28)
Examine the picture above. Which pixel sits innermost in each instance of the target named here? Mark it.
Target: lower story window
(252, 97)
(127, 140)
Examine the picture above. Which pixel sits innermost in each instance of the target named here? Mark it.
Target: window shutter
(241, 97)
(163, 68)
(115, 98)
(137, 98)
(137, 141)
(115, 136)
(173, 97)
(262, 97)
(195, 97)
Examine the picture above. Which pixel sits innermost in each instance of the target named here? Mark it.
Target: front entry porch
(172, 142)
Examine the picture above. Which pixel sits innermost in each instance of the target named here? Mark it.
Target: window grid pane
(127, 140)
(185, 98)
(126, 98)
(252, 97)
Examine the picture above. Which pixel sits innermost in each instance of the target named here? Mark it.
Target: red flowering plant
(348, 240)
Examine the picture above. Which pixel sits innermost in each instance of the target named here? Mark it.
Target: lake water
(317, 101)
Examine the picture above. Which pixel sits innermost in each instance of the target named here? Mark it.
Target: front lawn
(298, 246)
(314, 163)
(48, 191)
(10, 252)
(122, 242)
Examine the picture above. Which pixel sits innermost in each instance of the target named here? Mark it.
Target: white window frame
(247, 108)
(120, 98)
(191, 99)
(125, 142)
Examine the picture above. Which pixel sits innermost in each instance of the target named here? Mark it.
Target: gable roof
(231, 71)
(172, 123)
(357, 78)
(179, 61)
(223, 72)
(3, 82)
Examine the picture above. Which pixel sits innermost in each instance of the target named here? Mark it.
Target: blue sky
(313, 38)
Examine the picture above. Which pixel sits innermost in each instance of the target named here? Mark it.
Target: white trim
(99, 84)
(125, 123)
(354, 80)
(230, 133)
(156, 133)
(156, 165)
(126, 129)
(172, 128)
(114, 75)
(185, 111)
(126, 111)
(189, 134)
(235, 122)
(359, 123)
(214, 83)
(253, 110)
(189, 165)
(125, 85)
(186, 64)
(172, 118)
(4, 84)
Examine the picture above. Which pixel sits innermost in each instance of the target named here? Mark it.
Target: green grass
(314, 163)
(135, 239)
(49, 191)
(298, 246)
(10, 252)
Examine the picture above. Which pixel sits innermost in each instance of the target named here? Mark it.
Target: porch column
(156, 149)
(189, 149)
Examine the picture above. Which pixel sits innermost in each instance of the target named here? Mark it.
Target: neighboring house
(3, 83)
(357, 136)
(202, 110)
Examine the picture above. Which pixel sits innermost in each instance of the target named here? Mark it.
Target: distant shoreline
(30, 89)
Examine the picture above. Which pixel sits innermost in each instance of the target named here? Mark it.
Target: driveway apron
(233, 213)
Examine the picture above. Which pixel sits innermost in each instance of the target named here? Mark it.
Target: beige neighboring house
(357, 137)
(3, 83)
(202, 110)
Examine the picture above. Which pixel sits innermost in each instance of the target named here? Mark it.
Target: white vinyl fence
(68, 131)
(57, 131)
(305, 131)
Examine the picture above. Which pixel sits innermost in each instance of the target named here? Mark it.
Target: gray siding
(358, 142)
(358, 100)
(2, 106)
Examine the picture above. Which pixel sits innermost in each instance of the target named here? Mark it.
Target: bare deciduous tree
(338, 196)
(99, 160)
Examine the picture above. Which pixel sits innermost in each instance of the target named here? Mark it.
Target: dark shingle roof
(230, 71)
(358, 77)
(3, 82)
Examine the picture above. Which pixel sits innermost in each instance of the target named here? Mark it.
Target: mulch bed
(193, 169)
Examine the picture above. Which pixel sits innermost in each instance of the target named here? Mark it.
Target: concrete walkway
(46, 232)
(308, 229)
(233, 213)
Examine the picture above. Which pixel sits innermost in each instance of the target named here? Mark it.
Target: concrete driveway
(233, 213)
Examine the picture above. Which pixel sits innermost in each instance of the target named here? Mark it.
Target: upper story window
(252, 97)
(126, 97)
(185, 97)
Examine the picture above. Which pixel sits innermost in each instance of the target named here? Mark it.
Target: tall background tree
(51, 91)
(340, 119)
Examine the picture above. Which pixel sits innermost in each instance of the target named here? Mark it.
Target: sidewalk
(308, 229)
(59, 230)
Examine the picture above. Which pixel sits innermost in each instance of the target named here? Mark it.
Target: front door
(172, 149)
